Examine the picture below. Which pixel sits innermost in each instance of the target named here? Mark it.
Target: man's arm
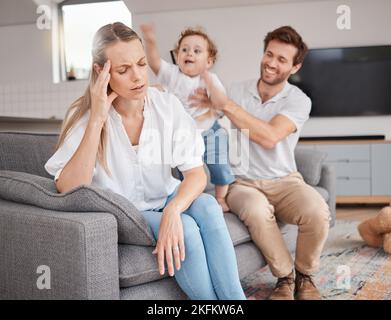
(266, 134)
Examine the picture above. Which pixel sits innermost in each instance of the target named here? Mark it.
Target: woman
(126, 137)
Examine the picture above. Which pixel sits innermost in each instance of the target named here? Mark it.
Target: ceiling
(16, 12)
(143, 6)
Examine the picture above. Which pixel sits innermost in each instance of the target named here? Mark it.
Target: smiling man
(269, 187)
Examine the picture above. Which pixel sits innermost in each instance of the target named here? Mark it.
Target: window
(79, 24)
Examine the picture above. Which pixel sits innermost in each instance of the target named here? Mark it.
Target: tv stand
(363, 167)
(344, 138)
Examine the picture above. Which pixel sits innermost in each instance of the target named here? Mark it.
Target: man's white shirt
(257, 162)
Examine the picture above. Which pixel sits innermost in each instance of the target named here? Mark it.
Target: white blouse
(168, 139)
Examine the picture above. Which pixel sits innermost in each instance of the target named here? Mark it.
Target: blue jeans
(216, 155)
(209, 271)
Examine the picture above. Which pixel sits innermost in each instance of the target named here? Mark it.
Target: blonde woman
(125, 136)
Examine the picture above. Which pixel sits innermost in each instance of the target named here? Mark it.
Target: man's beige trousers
(258, 203)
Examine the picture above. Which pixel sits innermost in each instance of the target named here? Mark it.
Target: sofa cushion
(26, 152)
(309, 164)
(237, 230)
(137, 264)
(165, 289)
(41, 192)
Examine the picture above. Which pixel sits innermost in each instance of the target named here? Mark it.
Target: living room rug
(350, 270)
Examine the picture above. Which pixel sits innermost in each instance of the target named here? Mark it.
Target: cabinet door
(381, 169)
(346, 152)
(353, 169)
(353, 186)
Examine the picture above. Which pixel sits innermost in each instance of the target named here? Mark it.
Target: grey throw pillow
(309, 163)
(41, 192)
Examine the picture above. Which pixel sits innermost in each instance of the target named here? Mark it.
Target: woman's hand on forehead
(100, 101)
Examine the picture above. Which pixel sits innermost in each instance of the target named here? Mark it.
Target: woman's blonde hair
(106, 36)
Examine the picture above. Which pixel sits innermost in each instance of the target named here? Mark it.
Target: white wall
(239, 34)
(25, 56)
(26, 86)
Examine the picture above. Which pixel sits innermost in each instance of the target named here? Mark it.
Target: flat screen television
(347, 81)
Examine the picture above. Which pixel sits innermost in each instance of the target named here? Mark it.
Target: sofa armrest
(80, 250)
(327, 181)
(29, 189)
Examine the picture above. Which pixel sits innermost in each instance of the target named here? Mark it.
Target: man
(272, 112)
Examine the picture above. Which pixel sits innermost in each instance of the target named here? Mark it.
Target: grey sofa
(93, 243)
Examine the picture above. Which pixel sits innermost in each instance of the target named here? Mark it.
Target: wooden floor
(358, 213)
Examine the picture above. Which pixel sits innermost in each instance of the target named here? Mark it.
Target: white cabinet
(381, 169)
(363, 169)
(352, 165)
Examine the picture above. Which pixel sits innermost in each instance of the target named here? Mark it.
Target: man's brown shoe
(284, 289)
(305, 288)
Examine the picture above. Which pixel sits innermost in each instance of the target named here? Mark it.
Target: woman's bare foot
(223, 204)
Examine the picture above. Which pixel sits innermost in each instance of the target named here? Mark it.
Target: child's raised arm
(151, 48)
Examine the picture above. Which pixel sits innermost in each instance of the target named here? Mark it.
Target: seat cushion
(137, 264)
(237, 230)
(165, 289)
(41, 192)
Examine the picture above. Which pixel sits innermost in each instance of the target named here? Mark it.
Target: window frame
(61, 34)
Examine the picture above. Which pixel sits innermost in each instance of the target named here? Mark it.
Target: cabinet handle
(343, 178)
(344, 160)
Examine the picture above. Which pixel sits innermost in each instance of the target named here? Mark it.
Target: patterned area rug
(350, 270)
